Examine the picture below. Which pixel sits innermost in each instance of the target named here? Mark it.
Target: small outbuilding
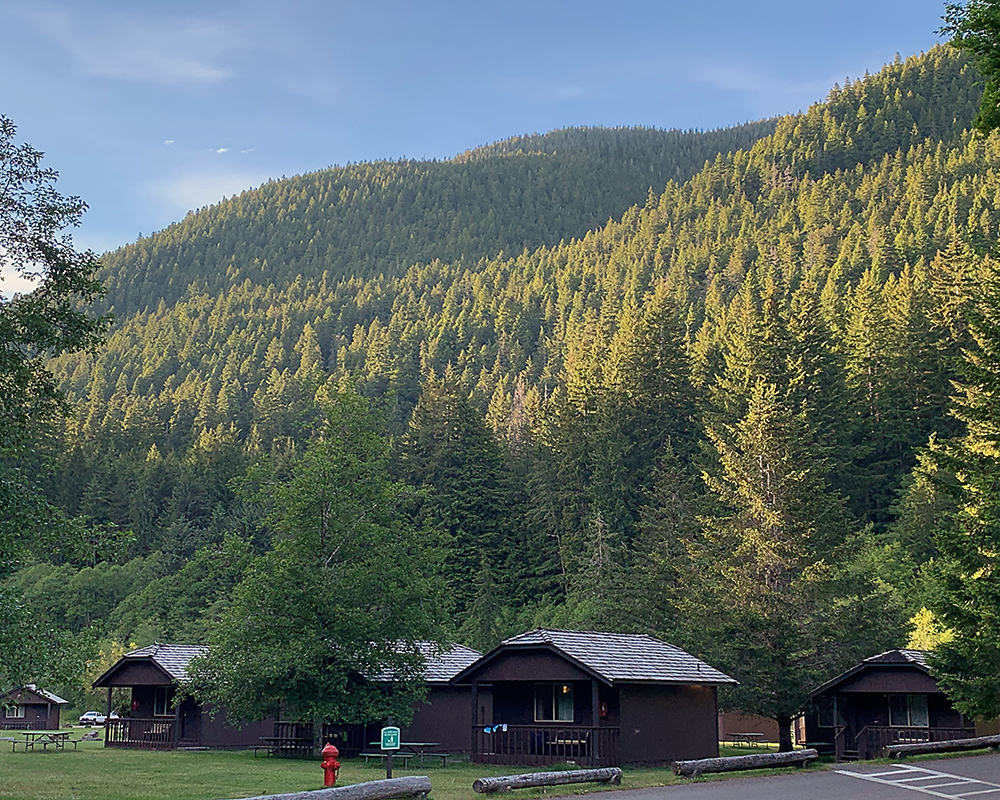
(887, 699)
(600, 699)
(155, 721)
(30, 708)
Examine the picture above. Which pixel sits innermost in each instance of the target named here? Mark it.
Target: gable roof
(44, 695)
(612, 657)
(908, 659)
(172, 659)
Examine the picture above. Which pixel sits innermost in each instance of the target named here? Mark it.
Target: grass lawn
(95, 773)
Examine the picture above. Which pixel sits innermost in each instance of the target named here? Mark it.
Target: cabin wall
(217, 731)
(660, 724)
(539, 665)
(445, 717)
(36, 717)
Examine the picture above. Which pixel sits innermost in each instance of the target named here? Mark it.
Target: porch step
(190, 747)
(850, 755)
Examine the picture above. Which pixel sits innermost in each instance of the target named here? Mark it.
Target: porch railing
(146, 734)
(873, 739)
(545, 744)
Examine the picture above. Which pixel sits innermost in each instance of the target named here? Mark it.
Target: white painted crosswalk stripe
(907, 777)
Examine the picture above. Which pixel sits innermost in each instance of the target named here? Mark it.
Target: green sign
(390, 738)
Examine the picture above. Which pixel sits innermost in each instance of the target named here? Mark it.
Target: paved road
(973, 778)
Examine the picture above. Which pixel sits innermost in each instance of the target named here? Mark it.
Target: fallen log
(947, 746)
(505, 783)
(692, 769)
(411, 786)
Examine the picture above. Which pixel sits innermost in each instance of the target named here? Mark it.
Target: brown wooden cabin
(550, 696)
(155, 721)
(887, 699)
(30, 709)
(442, 717)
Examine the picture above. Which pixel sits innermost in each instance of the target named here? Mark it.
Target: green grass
(93, 772)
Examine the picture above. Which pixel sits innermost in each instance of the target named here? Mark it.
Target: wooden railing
(146, 734)
(873, 739)
(545, 744)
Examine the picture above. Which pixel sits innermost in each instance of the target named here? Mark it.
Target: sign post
(390, 744)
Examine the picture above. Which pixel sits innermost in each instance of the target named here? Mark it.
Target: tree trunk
(692, 769)
(505, 783)
(784, 733)
(411, 786)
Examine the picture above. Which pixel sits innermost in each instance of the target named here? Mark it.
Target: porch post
(177, 722)
(474, 750)
(108, 712)
(595, 721)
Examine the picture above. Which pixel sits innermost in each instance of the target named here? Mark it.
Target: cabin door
(190, 721)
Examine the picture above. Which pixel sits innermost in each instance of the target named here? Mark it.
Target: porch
(145, 734)
(529, 745)
(871, 741)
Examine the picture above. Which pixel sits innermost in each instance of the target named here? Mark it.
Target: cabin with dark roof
(442, 717)
(549, 696)
(30, 708)
(887, 699)
(155, 721)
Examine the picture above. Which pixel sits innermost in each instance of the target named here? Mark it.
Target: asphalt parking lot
(969, 778)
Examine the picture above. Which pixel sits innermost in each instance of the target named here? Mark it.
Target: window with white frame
(14, 712)
(908, 711)
(553, 702)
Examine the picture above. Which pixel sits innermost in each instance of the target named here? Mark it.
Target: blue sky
(149, 109)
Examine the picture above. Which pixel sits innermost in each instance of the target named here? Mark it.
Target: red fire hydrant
(330, 765)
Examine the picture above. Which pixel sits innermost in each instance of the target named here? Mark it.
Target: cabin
(154, 675)
(887, 699)
(590, 698)
(442, 717)
(30, 708)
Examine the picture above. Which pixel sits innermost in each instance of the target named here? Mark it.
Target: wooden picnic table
(409, 750)
(750, 739)
(286, 746)
(57, 739)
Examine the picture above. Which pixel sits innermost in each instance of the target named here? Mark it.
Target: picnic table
(286, 746)
(750, 739)
(408, 750)
(57, 739)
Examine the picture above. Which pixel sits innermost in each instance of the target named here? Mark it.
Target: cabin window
(163, 700)
(14, 712)
(830, 712)
(908, 711)
(553, 702)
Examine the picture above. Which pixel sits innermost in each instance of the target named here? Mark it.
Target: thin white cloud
(168, 141)
(185, 193)
(247, 151)
(222, 150)
(165, 49)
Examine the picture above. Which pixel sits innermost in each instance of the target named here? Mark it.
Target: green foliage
(975, 28)
(347, 590)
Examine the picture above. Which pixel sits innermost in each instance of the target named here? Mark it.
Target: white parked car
(96, 718)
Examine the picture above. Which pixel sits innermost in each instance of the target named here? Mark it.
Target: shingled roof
(173, 659)
(614, 657)
(890, 658)
(442, 666)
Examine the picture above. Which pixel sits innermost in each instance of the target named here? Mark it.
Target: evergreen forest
(729, 388)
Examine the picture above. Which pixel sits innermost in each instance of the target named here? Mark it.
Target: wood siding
(444, 718)
(660, 724)
(529, 665)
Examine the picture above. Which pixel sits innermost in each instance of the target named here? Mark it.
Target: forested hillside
(372, 219)
(690, 421)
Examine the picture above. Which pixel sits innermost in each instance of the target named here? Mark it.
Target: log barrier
(692, 769)
(411, 786)
(947, 746)
(505, 783)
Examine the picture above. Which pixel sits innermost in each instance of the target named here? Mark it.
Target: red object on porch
(330, 765)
